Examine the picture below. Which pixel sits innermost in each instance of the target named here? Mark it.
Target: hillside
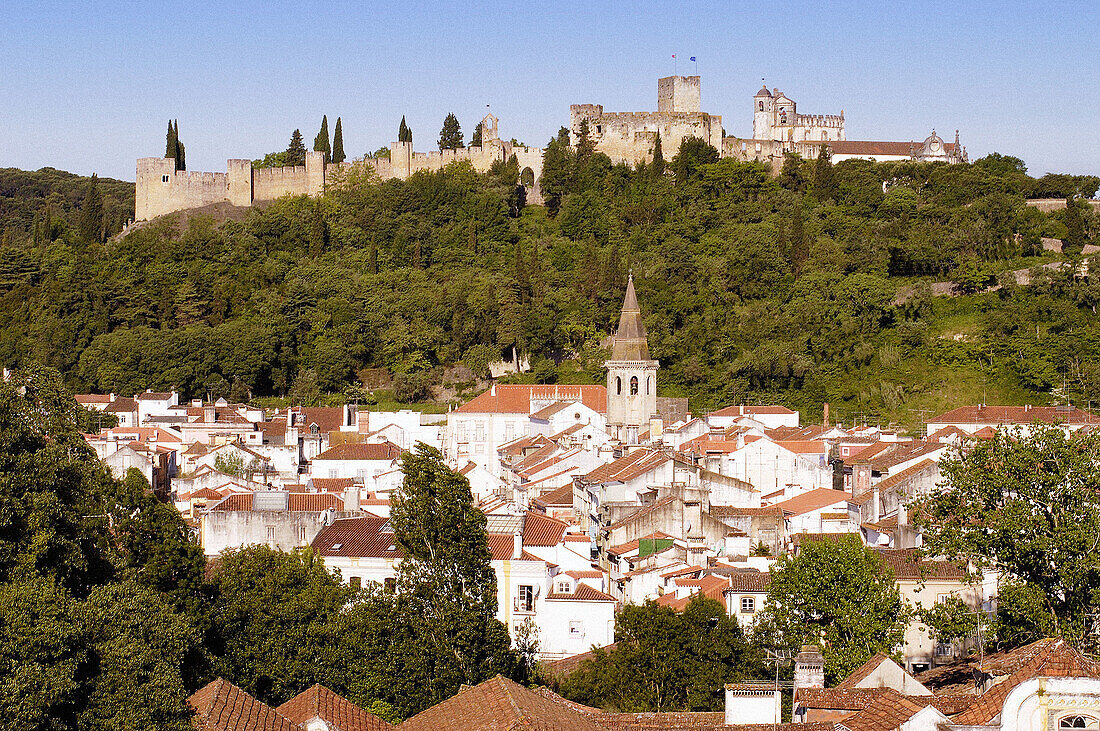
(754, 287)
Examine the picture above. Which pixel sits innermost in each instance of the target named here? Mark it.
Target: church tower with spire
(631, 375)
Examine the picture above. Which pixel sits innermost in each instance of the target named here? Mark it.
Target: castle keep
(628, 137)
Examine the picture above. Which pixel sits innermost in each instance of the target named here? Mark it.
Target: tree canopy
(450, 137)
(1026, 504)
(835, 593)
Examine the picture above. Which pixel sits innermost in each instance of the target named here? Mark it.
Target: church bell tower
(631, 375)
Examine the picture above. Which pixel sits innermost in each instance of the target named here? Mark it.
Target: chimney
(517, 545)
(809, 668)
(209, 415)
(493, 389)
(351, 499)
(825, 417)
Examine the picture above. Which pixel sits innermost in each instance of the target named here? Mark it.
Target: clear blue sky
(89, 86)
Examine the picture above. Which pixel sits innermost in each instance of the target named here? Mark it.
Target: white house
(362, 462)
(770, 416)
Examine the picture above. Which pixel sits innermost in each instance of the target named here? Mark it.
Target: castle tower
(678, 94)
(763, 114)
(631, 375)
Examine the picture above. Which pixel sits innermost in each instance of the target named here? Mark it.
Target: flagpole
(674, 66)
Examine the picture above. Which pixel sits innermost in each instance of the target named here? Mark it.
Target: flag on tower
(693, 58)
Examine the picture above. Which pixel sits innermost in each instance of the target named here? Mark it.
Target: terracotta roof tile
(628, 467)
(347, 451)
(339, 713)
(499, 704)
(887, 712)
(907, 564)
(222, 706)
(542, 530)
(558, 497)
(517, 399)
(822, 497)
(305, 502)
(358, 538)
(749, 581)
(1010, 415)
(584, 593)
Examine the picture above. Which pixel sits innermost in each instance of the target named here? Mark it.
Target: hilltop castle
(161, 189)
(628, 137)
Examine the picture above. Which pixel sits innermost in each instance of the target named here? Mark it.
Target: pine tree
(91, 213)
(585, 147)
(338, 143)
(296, 151)
(404, 134)
(450, 137)
(475, 140)
(320, 142)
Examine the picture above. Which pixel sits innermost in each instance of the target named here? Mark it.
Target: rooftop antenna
(778, 658)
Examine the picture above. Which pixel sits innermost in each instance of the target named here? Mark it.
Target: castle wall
(160, 188)
(309, 179)
(629, 136)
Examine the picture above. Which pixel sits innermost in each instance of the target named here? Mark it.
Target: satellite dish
(538, 590)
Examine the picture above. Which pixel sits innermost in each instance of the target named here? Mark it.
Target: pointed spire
(630, 339)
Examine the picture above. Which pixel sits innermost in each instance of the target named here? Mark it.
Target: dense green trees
(736, 270)
(1033, 513)
(836, 593)
(664, 660)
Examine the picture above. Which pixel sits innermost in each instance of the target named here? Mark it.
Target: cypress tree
(824, 180)
(170, 141)
(1075, 226)
(404, 134)
(296, 150)
(450, 137)
(658, 167)
(320, 142)
(91, 213)
(475, 140)
(181, 151)
(338, 143)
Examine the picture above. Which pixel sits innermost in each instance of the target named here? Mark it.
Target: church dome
(763, 92)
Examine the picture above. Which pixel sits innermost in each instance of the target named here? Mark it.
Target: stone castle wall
(161, 189)
(629, 136)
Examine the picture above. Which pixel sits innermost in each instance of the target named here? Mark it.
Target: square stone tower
(678, 94)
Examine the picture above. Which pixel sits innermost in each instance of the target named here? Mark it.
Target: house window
(634, 386)
(390, 585)
(164, 178)
(356, 582)
(941, 598)
(944, 649)
(271, 534)
(562, 587)
(525, 598)
(748, 605)
(576, 629)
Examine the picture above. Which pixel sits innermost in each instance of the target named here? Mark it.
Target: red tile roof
(886, 712)
(644, 511)
(559, 497)
(749, 581)
(304, 502)
(357, 537)
(339, 713)
(805, 446)
(1049, 658)
(1009, 415)
(499, 704)
(327, 418)
(906, 563)
(122, 406)
(222, 706)
(154, 396)
(584, 593)
(736, 511)
(384, 451)
(626, 468)
(741, 410)
(542, 530)
(517, 399)
(332, 484)
(822, 497)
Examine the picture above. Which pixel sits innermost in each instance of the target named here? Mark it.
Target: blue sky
(89, 87)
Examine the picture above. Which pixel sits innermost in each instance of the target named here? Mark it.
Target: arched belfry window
(634, 386)
(649, 385)
(618, 385)
(761, 106)
(1078, 722)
